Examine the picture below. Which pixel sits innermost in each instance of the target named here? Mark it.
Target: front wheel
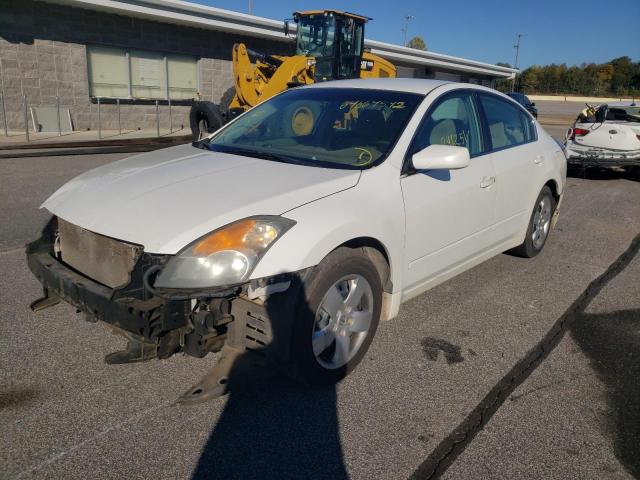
(337, 317)
(539, 225)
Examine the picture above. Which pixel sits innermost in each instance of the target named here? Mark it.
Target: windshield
(316, 35)
(324, 127)
(518, 97)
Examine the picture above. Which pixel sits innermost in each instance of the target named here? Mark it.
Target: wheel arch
(379, 256)
(553, 186)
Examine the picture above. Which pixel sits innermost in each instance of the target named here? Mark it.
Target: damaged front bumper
(593, 156)
(194, 323)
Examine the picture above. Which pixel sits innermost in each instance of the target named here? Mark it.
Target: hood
(167, 198)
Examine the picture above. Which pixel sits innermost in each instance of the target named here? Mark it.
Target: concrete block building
(129, 55)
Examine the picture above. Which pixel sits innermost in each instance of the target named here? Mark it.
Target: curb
(88, 148)
(146, 141)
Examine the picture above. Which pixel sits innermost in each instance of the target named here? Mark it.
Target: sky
(554, 31)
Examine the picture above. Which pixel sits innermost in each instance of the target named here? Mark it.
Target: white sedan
(300, 225)
(606, 135)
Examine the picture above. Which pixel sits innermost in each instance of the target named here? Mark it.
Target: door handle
(487, 182)
(539, 159)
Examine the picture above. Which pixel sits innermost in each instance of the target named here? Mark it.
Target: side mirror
(441, 157)
(533, 104)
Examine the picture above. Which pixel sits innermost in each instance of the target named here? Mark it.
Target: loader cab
(334, 39)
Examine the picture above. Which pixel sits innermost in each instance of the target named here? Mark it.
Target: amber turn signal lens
(228, 238)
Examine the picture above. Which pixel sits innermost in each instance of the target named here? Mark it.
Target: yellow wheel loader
(329, 46)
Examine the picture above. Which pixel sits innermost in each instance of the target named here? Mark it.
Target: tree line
(619, 77)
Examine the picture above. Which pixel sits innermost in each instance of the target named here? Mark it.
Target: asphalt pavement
(64, 413)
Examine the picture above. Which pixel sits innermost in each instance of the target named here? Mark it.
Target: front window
(453, 121)
(323, 127)
(316, 34)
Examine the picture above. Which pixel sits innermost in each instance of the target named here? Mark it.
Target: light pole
(407, 19)
(250, 7)
(515, 64)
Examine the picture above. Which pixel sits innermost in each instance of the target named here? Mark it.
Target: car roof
(421, 86)
(624, 104)
(413, 85)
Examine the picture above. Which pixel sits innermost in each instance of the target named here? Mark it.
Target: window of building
(183, 77)
(137, 74)
(108, 72)
(148, 75)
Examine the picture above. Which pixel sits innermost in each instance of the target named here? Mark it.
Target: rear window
(508, 125)
(625, 114)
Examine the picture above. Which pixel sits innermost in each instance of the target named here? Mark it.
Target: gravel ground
(66, 414)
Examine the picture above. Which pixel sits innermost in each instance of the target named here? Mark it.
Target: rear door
(510, 134)
(448, 212)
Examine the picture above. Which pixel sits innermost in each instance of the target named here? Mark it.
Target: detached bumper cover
(592, 156)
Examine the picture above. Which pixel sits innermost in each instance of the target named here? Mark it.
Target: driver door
(449, 213)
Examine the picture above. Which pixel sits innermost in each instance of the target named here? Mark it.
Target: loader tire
(204, 118)
(226, 99)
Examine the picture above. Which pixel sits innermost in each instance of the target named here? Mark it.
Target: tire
(540, 223)
(316, 358)
(312, 112)
(633, 171)
(204, 118)
(227, 98)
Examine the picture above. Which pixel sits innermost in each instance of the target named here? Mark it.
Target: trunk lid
(610, 135)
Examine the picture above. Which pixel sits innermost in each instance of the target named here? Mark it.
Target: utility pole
(515, 64)
(407, 19)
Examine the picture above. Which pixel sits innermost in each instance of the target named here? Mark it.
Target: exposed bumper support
(132, 315)
(176, 325)
(592, 157)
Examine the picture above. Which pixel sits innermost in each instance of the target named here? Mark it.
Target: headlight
(226, 256)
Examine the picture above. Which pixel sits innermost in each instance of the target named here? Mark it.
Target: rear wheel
(337, 318)
(539, 225)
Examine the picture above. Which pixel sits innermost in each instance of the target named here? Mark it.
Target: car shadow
(602, 173)
(612, 342)
(271, 426)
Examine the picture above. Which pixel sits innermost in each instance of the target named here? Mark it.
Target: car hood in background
(167, 198)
